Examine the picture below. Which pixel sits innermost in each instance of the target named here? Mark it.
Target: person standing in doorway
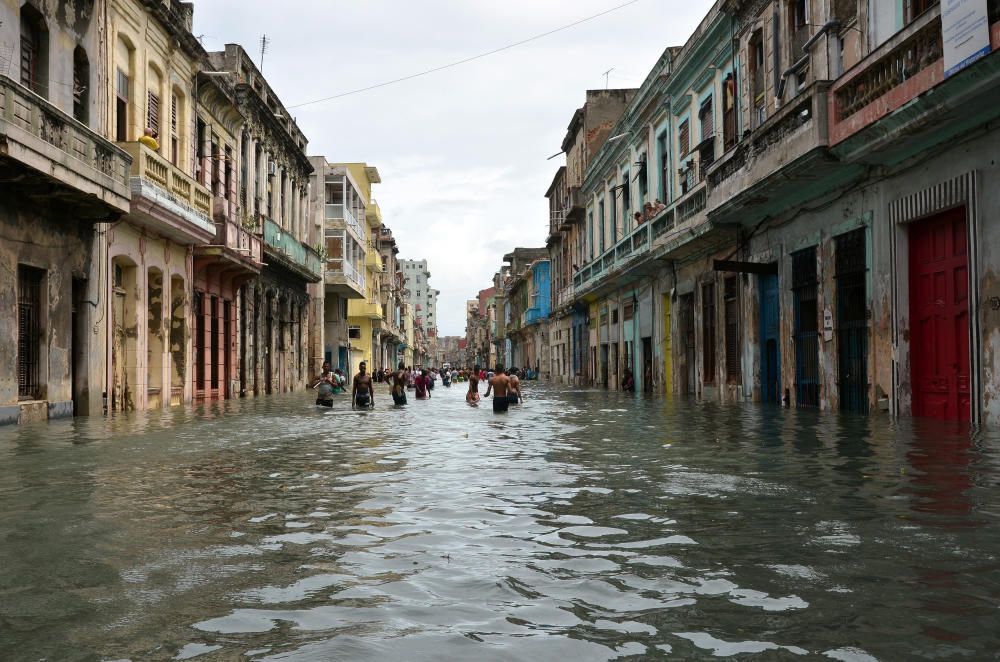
(499, 386)
(363, 394)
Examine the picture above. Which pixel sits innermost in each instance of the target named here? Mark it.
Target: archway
(155, 339)
(178, 339)
(124, 335)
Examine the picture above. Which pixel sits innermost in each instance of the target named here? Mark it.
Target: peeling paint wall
(38, 233)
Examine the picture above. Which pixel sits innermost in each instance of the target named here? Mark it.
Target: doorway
(939, 317)
(852, 321)
(770, 336)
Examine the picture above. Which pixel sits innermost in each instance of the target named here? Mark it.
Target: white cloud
(462, 151)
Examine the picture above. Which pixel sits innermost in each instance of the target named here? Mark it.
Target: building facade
(816, 175)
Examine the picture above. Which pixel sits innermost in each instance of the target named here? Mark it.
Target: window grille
(29, 304)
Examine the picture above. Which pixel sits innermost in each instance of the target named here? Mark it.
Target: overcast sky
(462, 152)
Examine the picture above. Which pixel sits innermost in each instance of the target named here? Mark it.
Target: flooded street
(581, 525)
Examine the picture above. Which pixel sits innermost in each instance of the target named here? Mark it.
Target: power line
(466, 60)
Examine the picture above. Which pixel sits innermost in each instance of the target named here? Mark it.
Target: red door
(939, 317)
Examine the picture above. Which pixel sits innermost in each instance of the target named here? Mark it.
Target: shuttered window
(684, 138)
(707, 118)
(708, 332)
(29, 304)
(153, 112)
(174, 140)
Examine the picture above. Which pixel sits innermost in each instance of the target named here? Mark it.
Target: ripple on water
(439, 531)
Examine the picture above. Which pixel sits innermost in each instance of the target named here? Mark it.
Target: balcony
(85, 169)
(566, 296)
(343, 279)
(897, 102)
(235, 245)
(784, 161)
(282, 248)
(166, 200)
(340, 217)
(373, 260)
(534, 315)
(364, 308)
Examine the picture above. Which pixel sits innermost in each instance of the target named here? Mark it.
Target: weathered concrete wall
(69, 23)
(128, 335)
(40, 234)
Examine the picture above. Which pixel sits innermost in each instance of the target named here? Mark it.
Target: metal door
(770, 337)
(806, 310)
(852, 322)
(939, 317)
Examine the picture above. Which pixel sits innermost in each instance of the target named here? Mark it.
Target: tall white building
(421, 296)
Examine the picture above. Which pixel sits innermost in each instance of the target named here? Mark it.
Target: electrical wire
(465, 60)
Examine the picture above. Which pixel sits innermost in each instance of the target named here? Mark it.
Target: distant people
(324, 386)
(149, 139)
(649, 211)
(639, 220)
(339, 381)
(658, 206)
(499, 385)
(422, 385)
(409, 376)
(628, 381)
(431, 378)
(363, 394)
(399, 385)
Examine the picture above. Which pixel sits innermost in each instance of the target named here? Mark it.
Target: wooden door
(939, 317)
(770, 337)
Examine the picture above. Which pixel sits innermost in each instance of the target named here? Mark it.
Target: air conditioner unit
(272, 168)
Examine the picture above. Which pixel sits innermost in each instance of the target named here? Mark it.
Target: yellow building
(152, 63)
(364, 316)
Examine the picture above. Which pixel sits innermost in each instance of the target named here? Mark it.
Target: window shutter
(685, 138)
(707, 120)
(153, 112)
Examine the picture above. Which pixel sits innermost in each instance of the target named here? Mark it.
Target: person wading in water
(324, 386)
(363, 394)
(514, 392)
(399, 385)
(499, 385)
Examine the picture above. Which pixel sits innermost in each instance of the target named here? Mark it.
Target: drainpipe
(829, 25)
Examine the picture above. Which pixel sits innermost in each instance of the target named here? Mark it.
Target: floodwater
(581, 525)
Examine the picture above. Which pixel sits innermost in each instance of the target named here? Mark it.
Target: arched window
(34, 51)
(81, 85)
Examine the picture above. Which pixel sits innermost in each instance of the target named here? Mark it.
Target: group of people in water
(505, 386)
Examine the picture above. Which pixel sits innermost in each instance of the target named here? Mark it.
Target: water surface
(582, 525)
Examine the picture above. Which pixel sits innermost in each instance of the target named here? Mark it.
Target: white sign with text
(965, 29)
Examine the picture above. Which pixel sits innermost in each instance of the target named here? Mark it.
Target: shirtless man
(474, 381)
(363, 394)
(514, 393)
(499, 385)
(399, 385)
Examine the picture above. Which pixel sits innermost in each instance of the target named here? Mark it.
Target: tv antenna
(607, 76)
(263, 49)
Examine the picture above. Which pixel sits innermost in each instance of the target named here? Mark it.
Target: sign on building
(965, 29)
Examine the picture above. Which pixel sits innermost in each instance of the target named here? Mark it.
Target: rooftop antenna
(263, 49)
(607, 77)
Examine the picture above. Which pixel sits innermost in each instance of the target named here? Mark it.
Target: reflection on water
(581, 525)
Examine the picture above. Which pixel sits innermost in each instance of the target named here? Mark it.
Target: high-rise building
(421, 296)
